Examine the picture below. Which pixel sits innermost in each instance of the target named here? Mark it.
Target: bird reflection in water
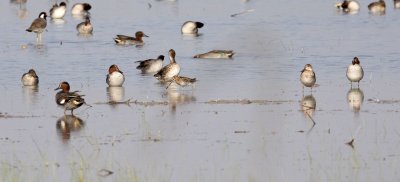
(176, 98)
(115, 94)
(355, 98)
(58, 21)
(308, 105)
(67, 124)
(30, 93)
(22, 12)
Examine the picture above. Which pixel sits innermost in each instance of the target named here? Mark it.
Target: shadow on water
(67, 124)
(355, 99)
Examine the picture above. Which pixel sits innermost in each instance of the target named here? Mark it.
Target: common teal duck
(70, 100)
(151, 65)
(58, 11)
(85, 27)
(81, 9)
(137, 40)
(377, 7)
(64, 95)
(355, 72)
(191, 27)
(307, 76)
(216, 54)
(38, 26)
(170, 70)
(30, 78)
(348, 6)
(115, 77)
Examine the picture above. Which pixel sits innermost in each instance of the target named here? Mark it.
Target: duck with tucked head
(38, 26)
(348, 6)
(307, 76)
(191, 27)
(85, 27)
(81, 9)
(137, 40)
(355, 72)
(151, 65)
(170, 70)
(378, 7)
(58, 11)
(70, 100)
(216, 54)
(30, 78)
(115, 77)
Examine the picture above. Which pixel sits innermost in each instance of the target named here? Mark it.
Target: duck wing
(125, 37)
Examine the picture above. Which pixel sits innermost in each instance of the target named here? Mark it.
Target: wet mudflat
(246, 119)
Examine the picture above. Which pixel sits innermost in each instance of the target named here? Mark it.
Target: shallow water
(189, 138)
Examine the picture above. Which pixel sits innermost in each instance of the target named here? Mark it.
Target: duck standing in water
(70, 100)
(307, 76)
(137, 40)
(115, 77)
(170, 70)
(38, 26)
(30, 78)
(355, 72)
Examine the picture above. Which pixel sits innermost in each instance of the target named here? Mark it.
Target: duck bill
(57, 88)
(144, 35)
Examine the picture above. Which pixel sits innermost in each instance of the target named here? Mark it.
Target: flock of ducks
(167, 74)
(378, 7)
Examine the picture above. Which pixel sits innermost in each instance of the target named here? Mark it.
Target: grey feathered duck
(170, 70)
(38, 26)
(30, 78)
(216, 54)
(85, 27)
(151, 65)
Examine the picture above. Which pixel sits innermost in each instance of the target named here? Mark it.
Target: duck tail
(116, 40)
(28, 30)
